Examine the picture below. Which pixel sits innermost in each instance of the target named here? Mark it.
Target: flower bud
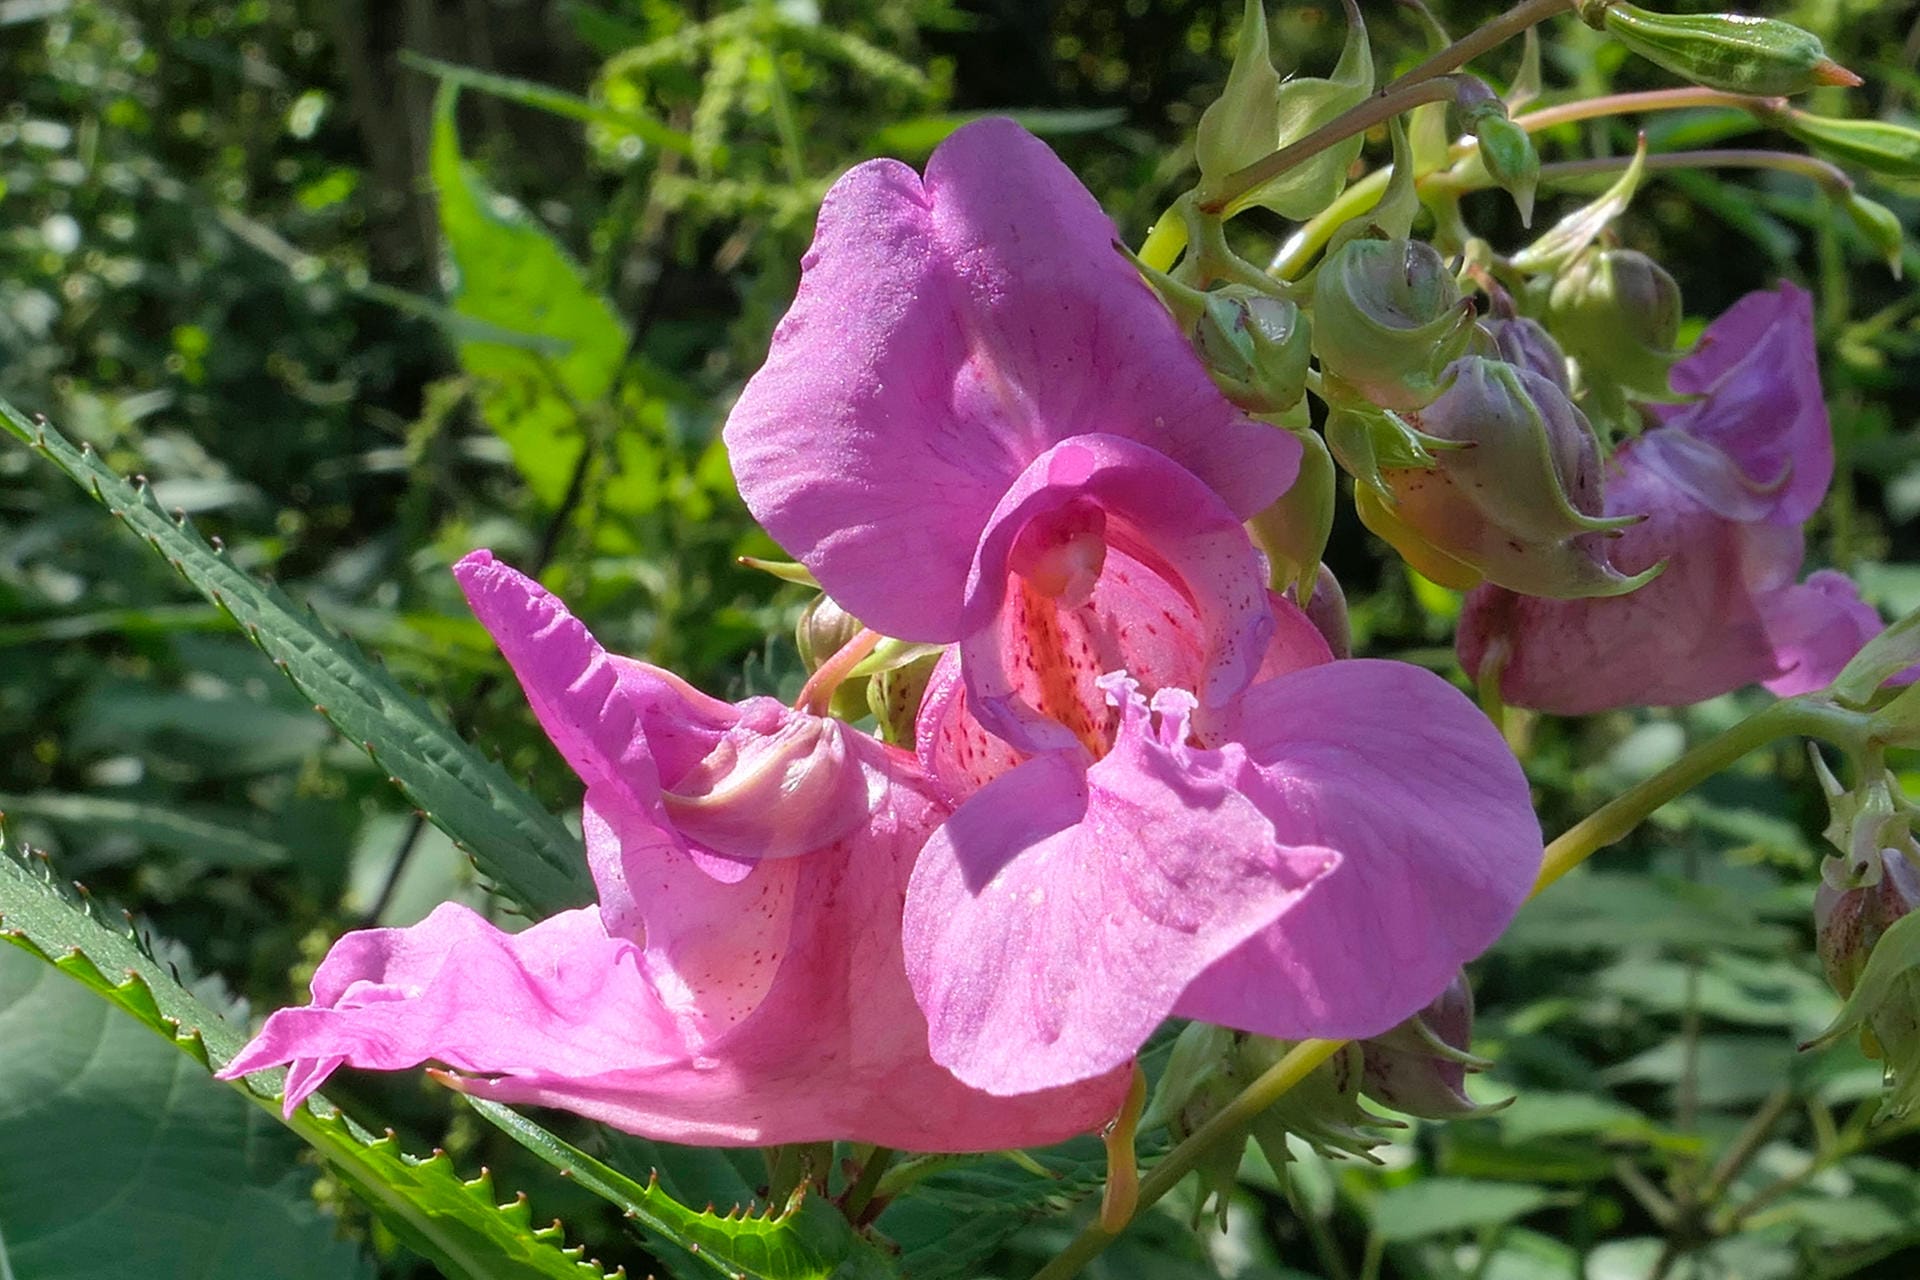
(824, 628)
(1293, 532)
(1506, 150)
(1526, 343)
(1208, 1068)
(1880, 227)
(1878, 146)
(1516, 504)
(1617, 312)
(1387, 318)
(1420, 1067)
(1726, 51)
(894, 697)
(1849, 921)
(1326, 609)
(1256, 348)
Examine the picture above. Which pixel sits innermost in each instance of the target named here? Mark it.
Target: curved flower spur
(740, 981)
(978, 427)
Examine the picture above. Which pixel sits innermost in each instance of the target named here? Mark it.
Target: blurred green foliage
(364, 285)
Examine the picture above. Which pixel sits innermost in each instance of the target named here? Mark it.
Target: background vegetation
(363, 284)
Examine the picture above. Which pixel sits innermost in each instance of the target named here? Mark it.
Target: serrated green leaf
(458, 1224)
(951, 1223)
(512, 275)
(91, 1107)
(514, 841)
(807, 1240)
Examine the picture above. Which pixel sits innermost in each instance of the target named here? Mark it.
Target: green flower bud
(1507, 152)
(1294, 530)
(894, 696)
(1880, 227)
(1387, 318)
(1878, 146)
(1515, 503)
(1726, 51)
(1256, 347)
(1617, 312)
(824, 628)
(1209, 1066)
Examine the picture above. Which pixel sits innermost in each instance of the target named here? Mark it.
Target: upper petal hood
(946, 333)
(1758, 373)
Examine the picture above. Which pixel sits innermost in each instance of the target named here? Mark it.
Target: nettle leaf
(123, 1157)
(950, 1224)
(513, 276)
(515, 842)
(456, 1223)
(806, 1240)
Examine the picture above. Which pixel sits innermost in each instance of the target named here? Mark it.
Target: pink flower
(977, 425)
(740, 981)
(1727, 482)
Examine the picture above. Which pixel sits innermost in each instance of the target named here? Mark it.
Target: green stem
(1830, 176)
(1229, 1122)
(1621, 104)
(1604, 826)
(1378, 109)
(1497, 32)
(860, 1194)
(1613, 820)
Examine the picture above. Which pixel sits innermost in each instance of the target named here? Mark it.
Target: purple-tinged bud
(1849, 922)
(1326, 609)
(1420, 1067)
(1867, 933)
(1526, 343)
(1257, 348)
(1387, 319)
(1516, 502)
(1617, 312)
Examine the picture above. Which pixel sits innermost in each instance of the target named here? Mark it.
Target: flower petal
(1160, 517)
(1398, 773)
(1055, 918)
(1759, 373)
(946, 333)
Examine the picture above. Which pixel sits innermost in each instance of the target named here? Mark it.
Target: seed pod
(1256, 347)
(1726, 51)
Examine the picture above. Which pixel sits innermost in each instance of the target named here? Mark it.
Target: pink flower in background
(741, 979)
(1727, 482)
(977, 425)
